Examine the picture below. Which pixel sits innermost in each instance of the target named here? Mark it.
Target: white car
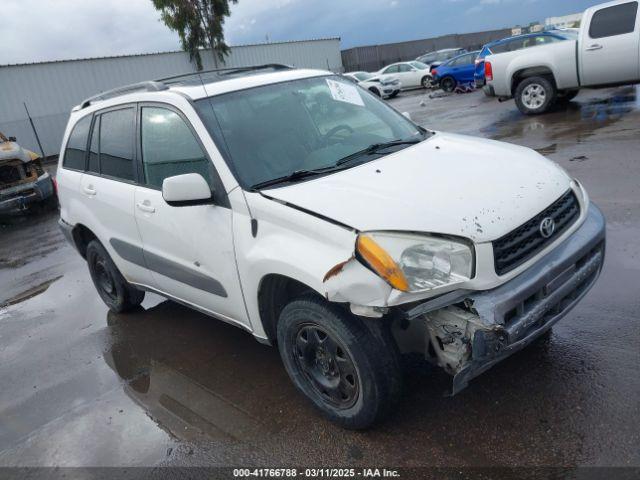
(606, 52)
(411, 74)
(386, 88)
(319, 219)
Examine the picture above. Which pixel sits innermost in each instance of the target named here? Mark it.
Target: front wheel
(535, 95)
(350, 371)
(375, 91)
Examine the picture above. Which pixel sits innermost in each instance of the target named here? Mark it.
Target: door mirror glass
(187, 189)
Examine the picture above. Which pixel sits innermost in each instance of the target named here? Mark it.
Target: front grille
(526, 241)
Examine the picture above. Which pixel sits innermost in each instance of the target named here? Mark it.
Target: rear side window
(94, 148)
(76, 152)
(616, 20)
(500, 48)
(169, 147)
(117, 129)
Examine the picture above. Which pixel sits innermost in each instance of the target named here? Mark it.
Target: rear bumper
(520, 311)
(19, 198)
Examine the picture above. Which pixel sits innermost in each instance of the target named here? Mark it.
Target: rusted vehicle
(23, 181)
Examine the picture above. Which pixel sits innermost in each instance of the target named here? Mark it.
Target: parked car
(437, 58)
(321, 220)
(457, 71)
(411, 74)
(23, 181)
(518, 42)
(605, 53)
(383, 87)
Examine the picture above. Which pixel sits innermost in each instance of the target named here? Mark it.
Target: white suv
(303, 209)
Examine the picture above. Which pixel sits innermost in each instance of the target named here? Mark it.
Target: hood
(13, 151)
(449, 184)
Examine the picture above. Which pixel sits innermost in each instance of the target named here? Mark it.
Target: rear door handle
(145, 207)
(89, 190)
(595, 46)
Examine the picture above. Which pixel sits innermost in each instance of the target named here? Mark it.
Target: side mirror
(407, 115)
(185, 190)
(12, 139)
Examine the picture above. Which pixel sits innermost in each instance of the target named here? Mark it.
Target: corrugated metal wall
(50, 90)
(372, 58)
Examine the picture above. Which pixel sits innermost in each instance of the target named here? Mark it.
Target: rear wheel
(347, 367)
(448, 84)
(114, 290)
(535, 95)
(426, 82)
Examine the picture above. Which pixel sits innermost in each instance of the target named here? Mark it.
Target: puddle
(570, 124)
(28, 294)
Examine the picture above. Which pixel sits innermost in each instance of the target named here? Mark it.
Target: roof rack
(116, 92)
(163, 84)
(223, 73)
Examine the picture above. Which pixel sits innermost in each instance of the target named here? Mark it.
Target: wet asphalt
(168, 386)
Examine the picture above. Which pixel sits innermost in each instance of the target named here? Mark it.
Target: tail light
(488, 71)
(55, 185)
(434, 72)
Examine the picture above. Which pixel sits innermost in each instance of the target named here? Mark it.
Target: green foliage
(199, 23)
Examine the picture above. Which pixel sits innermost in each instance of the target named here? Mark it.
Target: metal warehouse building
(50, 89)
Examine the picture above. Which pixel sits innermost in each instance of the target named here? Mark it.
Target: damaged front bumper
(486, 327)
(20, 197)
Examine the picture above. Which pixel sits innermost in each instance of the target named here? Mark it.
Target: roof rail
(163, 84)
(226, 72)
(116, 92)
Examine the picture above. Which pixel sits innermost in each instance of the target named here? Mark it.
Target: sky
(44, 30)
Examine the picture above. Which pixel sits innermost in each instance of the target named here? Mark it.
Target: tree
(199, 24)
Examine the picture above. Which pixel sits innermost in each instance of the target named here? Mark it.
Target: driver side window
(169, 147)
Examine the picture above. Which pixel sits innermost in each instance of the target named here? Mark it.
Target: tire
(426, 82)
(535, 95)
(347, 367)
(375, 91)
(568, 95)
(114, 290)
(394, 94)
(448, 84)
(487, 91)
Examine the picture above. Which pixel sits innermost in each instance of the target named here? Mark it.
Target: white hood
(448, 184)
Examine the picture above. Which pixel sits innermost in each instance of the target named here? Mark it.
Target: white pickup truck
(606, 53)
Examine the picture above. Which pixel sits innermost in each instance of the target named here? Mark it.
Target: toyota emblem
(547, 227)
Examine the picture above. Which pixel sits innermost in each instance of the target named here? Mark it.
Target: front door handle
(89, 190)
(145, 207)
(595, 46)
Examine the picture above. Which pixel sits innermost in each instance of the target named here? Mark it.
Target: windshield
(362, 76)
(272, 131)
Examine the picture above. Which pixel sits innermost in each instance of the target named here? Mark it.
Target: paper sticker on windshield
(344, 92)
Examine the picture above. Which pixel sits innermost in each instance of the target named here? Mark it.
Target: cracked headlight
(413, 263)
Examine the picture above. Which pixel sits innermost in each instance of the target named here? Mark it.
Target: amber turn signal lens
(382, 263)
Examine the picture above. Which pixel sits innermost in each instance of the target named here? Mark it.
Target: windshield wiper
(296, 175)
(375, 148)
(339, 165)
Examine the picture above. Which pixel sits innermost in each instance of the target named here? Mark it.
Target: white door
(409, 76)
(609, 45)
(189, 248)
(109, 185)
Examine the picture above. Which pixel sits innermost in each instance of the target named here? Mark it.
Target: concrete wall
(51, 89)
(374, 57)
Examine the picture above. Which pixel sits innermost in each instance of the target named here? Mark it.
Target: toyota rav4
(303, 209)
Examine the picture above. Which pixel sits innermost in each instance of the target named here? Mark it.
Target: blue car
(457, 71)
(517, 43)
